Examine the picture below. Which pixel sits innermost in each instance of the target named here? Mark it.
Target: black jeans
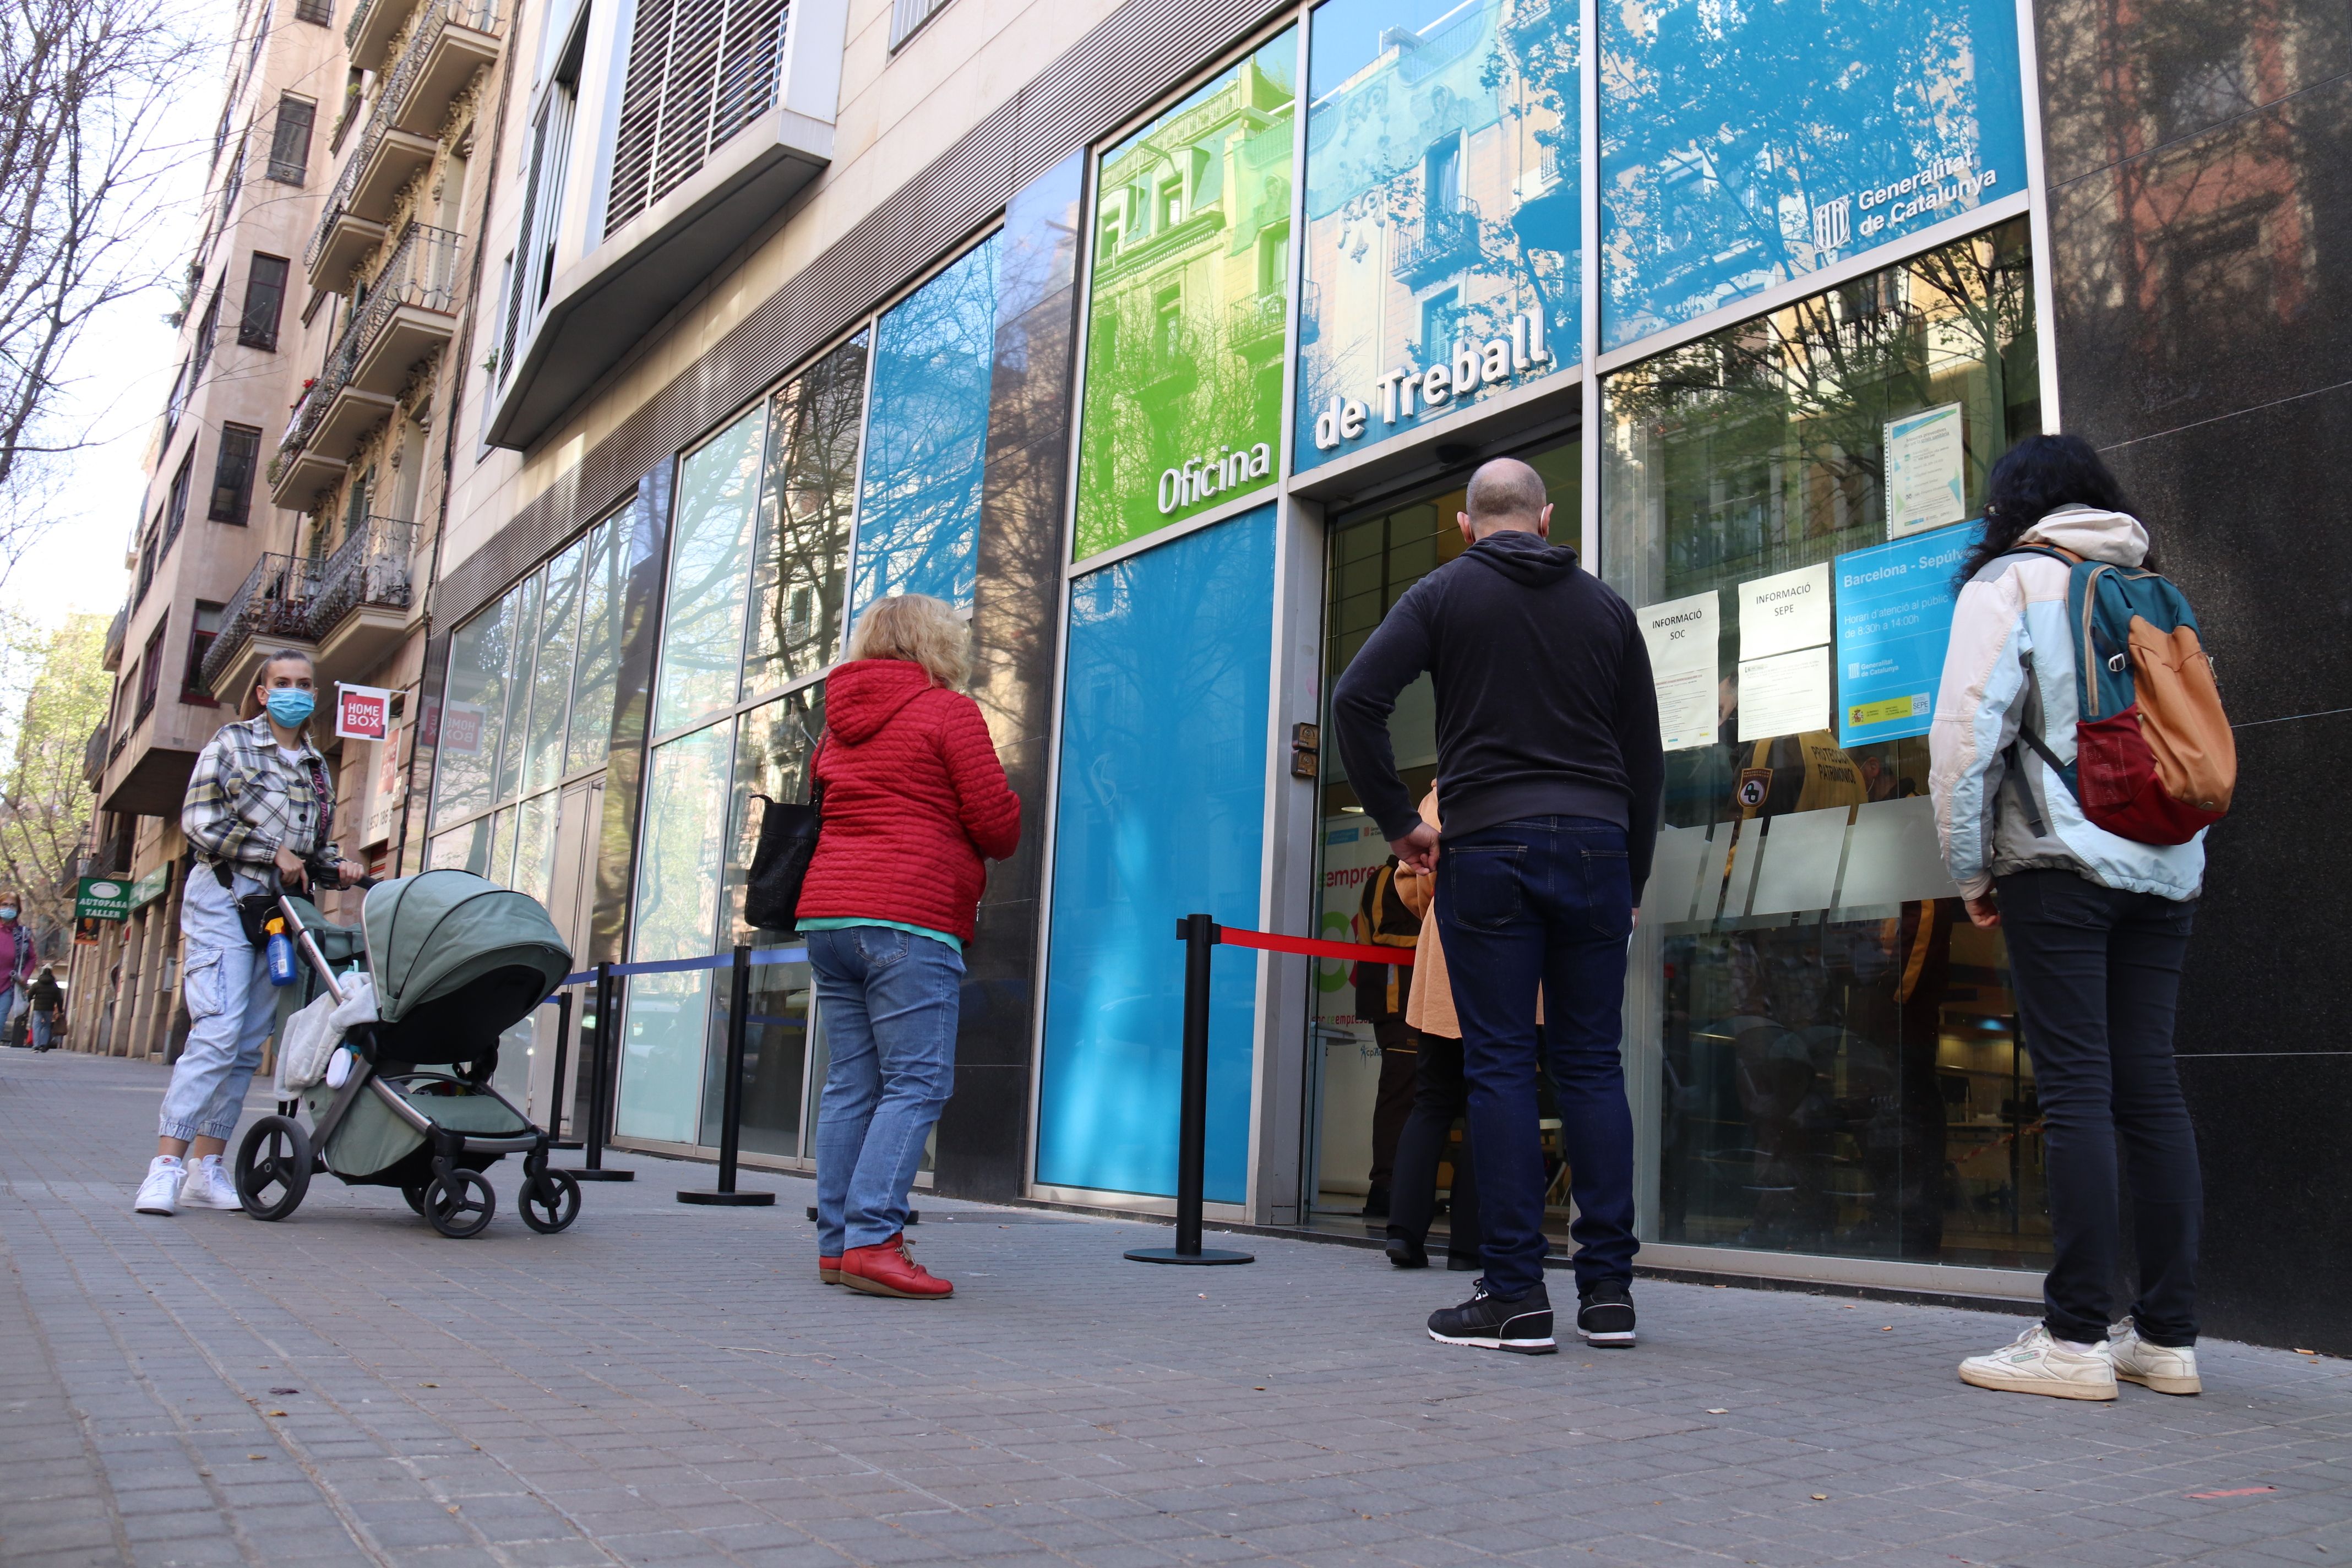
(1441, 1095)
(1400, 1060)
(2098, 976)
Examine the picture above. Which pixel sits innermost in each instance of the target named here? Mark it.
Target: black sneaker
(1604, 1315)
(1520, 1323)
(1404, 1251)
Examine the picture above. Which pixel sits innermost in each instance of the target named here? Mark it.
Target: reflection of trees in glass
(528, 596)
(926, 442)
(1724, 124)
(773, 744)
(551, 687)
(805, 514)
(702, 641)
(1177, 359)
(478, 656)
(683, 846)
(1767, 439)
(603, 596)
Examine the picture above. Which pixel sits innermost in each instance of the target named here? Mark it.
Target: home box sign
(1407, 392)
(363, 712)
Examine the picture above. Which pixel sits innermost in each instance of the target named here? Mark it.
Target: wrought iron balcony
(93, 757)
(409, 309)
(111, 659)
(1256, 323)
(273, 602)
(370, 570)
(1445, 242)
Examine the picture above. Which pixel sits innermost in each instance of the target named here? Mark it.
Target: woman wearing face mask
(17, 961)
(259, 802)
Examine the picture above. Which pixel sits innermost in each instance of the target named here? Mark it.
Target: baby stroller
(455, 959)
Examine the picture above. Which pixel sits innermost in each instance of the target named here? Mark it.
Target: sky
(119, 376)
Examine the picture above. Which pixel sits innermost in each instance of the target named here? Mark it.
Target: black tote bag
(788, 834)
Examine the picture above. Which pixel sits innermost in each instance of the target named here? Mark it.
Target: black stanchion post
(562, 1052)
(730, 1100)
(600, 1081)
(1199, 935)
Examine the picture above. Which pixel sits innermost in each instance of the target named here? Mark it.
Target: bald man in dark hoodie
(1549, 774)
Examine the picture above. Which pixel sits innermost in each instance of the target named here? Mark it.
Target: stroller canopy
(432, 936)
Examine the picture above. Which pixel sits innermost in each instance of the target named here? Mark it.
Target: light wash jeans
(888, 1000)
(231, 1004)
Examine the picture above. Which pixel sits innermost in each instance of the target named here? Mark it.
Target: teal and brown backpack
(2154, 757)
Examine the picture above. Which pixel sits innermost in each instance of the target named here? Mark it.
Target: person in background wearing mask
(259, 812)
(47, 996)
(18, 959)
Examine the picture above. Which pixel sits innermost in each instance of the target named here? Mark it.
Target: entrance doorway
(1361, 1056)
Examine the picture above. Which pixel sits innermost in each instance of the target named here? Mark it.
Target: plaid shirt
(245, 803)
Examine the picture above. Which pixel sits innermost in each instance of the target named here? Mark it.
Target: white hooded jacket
(2010, 662)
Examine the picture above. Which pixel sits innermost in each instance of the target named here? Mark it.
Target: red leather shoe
(890, 1269)
(828, 1271)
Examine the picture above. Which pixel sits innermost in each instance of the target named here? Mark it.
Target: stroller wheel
(549, 1202)
(459, 1205)
(273, 1167)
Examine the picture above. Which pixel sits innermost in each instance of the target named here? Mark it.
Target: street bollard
(1199, 935)
(730, 1122)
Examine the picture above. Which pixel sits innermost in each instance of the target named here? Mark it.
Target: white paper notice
(1681, 636)
(1786, 694)
(1926, 469)
(1787, 610)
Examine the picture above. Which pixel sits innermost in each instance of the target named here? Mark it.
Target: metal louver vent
(906, 16)
(698, 72)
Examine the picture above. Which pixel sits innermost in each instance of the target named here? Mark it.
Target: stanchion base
(1207, 1255)
(581, 1173)
(728, 1200)
(567, 1144)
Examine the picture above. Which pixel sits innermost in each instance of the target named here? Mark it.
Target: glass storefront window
(473, 716)
(1187, 318)
(682, 856)
(927, 436)
(602, 594)
(702, 637)
(1372, 560)
(465, 849)
(805, 506)
(1839, 1064)
(534, 859)
(514, 735)
(551, 686)
(773, 744)
(1443, 217)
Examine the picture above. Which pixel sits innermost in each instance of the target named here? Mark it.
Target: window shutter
(231, 497)
(698, 72)
(265, 301)
(289, 141)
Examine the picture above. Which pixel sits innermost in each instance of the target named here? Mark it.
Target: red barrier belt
(1314, 947)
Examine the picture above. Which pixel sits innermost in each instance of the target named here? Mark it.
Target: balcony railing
(422, 272)
(93, 757)
(481, 16)
(370, 569)
(111, 658)
(275, 601)
(1445, 242)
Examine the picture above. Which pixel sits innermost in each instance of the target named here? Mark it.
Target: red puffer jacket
(914, 797)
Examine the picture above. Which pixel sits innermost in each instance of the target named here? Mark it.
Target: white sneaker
(2164, 1368)
(210, 1186)
(2035, 1363)
(160, 1192)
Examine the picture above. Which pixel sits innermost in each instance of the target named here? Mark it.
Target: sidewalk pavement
(670, 1385)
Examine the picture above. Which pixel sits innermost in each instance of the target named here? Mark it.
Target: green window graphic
(1190, 304)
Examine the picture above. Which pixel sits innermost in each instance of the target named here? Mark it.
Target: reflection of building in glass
(1441, 211)
(1191, 281)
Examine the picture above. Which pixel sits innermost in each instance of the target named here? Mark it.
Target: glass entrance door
(1362, 1055)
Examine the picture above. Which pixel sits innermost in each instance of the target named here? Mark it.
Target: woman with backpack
(914, 803)
(2033, 748)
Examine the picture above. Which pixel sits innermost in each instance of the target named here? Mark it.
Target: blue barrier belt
(757, 956)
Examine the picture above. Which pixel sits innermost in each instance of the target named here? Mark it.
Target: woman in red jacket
(914, 799)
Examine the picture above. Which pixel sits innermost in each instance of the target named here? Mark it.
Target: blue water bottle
(281, 954)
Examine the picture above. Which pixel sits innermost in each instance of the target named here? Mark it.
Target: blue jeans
(886, 1000)
(232, 1007)
(41, 1026)
(1544, 903)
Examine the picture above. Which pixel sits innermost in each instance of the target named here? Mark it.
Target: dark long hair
(2033, 479)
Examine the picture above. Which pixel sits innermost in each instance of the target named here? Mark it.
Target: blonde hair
(918, 629)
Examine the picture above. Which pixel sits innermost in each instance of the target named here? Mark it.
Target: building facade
(1161, 337)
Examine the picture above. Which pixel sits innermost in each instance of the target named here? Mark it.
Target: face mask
(7, 911)
(289, 705)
